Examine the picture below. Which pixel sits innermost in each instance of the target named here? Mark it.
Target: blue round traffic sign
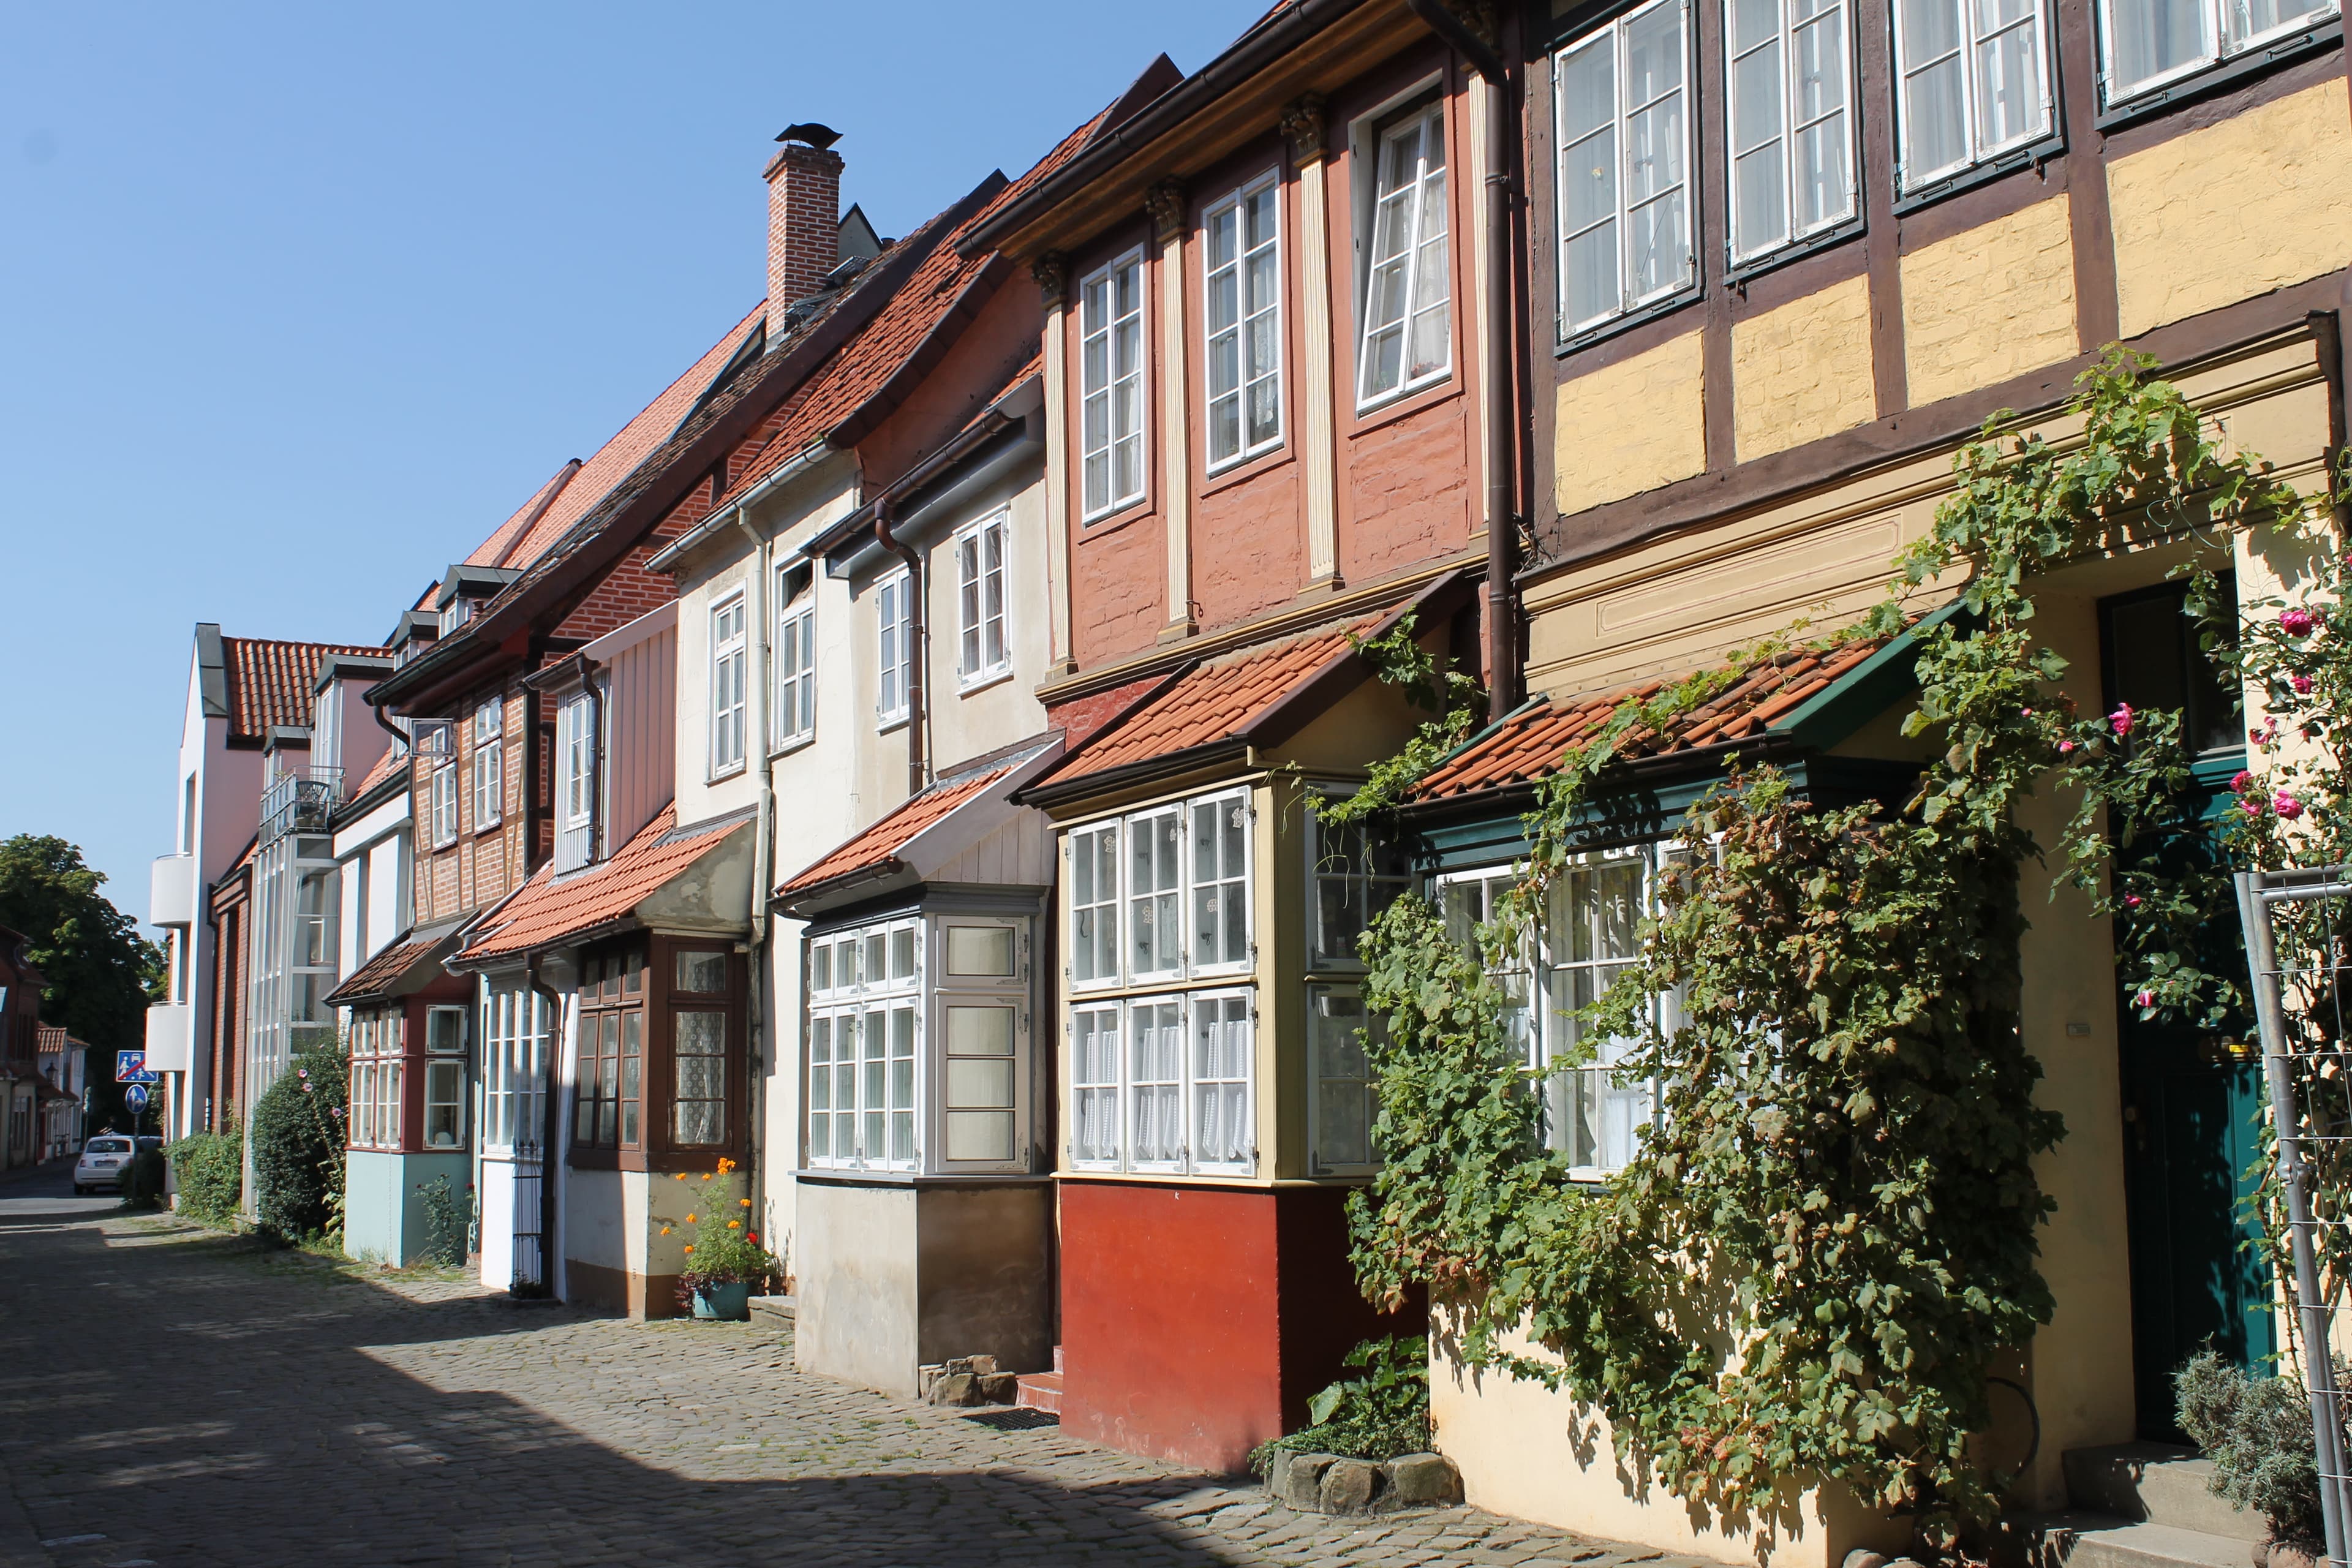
(135, 1097)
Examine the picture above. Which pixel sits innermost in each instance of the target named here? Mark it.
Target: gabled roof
(1528, 745)
(404, 967)
(271, 684)
(878, 846)
(549, 910)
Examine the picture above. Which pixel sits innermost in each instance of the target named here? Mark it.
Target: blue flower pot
(729, 1303)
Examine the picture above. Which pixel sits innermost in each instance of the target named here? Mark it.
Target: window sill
(982, 682)
(1739, 274)
(800, 743)
(1241, 470)
(721, 775)
(885, 723)
(1366, 418)
(2227, 73)
(484, 829)
(1112, 521)
(1999, 166)
(1601, 332)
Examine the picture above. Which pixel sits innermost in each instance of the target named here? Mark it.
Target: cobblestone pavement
(172, 1397)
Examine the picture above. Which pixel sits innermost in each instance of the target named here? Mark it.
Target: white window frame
(1357, 868)
(489, 764)
(1171, 900)
(1322, 1086)
(1089, 842)
(795, 695)
(948, 991)
(1788, 129)
(983, 635)
(1482, 886)
(895, 663)
(575, 775)
(1612, 36)
(1194, 934)
(442, 792)
(1415, 122)
(1189, 1011)
(516, 1031)
(1977, 147)
(1235, 207)
(1565, 1092)
(877, 1103)
(1106, 391)
(2214, 19)
(730, 696)
(1098, 1036)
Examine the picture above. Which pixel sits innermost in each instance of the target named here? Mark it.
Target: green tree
(102, 972)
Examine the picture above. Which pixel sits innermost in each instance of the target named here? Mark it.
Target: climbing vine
(1824, 1245)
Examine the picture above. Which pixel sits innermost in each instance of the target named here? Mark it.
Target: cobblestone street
(174, 1397)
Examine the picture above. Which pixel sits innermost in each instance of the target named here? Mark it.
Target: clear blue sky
(297, 302)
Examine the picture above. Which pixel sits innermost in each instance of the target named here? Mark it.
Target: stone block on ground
(957, 1388)
(1349, 1486)
(999, 1387)
(1303, 1481)
(1423, 1479)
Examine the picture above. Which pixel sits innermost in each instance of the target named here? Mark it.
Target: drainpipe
(1502, 458)
(550, 1117)
(917, 639)
(2327, 333)
(756, 745)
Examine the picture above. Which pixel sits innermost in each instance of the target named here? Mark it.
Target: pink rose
(2121, 719)
(2238, 785)
(2286, 805)
(2295, 623)
(2144, 999)
(2065, 747)
(2131, 901)
(2025, 712)
(2251, 805)
(2302, 684)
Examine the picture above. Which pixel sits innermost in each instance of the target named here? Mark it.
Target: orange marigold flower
(690, 1247)
(734, 1225)
(681, 1175)
(744, 1202)
(664, 1230)
(689, 1219)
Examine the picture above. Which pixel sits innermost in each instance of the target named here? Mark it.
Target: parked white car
(103, 1161)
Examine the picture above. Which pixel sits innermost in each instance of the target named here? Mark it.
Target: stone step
(2156, 1483)
(2080, 1539)
(774, 1311)
(1040, 1390)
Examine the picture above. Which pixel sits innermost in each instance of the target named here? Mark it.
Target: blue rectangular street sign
(130, 1066)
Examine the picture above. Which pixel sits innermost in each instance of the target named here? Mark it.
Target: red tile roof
(271, 683)
(880, 843)
(394, 760)
(891, 341)
(392, 973)
(1529, 744)
(613, 461)
(1215, 702)
(550, 909)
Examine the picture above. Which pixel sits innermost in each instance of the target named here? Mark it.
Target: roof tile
(272, 683)
(550, 909)
(881, 843)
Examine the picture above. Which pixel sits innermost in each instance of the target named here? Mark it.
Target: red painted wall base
(1197, 1322)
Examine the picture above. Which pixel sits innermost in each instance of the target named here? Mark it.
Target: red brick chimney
(803, 225)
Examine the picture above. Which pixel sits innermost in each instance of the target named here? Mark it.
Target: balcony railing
(301, 801)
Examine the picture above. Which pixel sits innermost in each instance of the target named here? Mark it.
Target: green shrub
(444, 1224)
(143, 1182)
(210, 1167)
(2257, 1431)
(297, 1151)
(1380, 1414)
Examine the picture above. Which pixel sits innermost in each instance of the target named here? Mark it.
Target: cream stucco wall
(1989, 304)
(1803, 371)
(2277, 174)
(1633, 426)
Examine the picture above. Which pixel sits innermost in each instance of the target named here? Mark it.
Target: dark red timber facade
(1270, 320)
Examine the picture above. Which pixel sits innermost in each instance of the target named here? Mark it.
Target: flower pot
(727, 1303)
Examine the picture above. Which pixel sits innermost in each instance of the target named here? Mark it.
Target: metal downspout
(550, 1114)
(1502, 457)
(756, 745)
(919, 639)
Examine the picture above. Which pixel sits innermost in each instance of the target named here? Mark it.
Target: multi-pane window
(982, 652)
(1470, 901)
(1975, 83)
(1162, 1083)
(575, 788)
(731, 663)
(1593, 935)
(895, 654)
(377, 1040)
(1408, 337)
(866, 991)
(1110, 385)
(441, 784)
(1793, 164)
(489, 763)
(1094, 904)
(1623, 105)
(980, 1033)
(2143, 44)
(1343, 1102)
(1242, 266)
(445, 1078)
(1175, 903)
(608, 1111)
(1220, 832)
(1155, 892)
(515, 1030)
(698, 1028)
(1356, 874)
(795, 669)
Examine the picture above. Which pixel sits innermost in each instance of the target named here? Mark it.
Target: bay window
(1355, 875)
(1975, 83)
(1242, 285)
(1176, 905)
(982, 652)
(1789, 79)
(2146, 44)
(918, 1044)
(730, 662)
(1164, 1083)
(894, 655)
(1093, 855)
(489, 764)
(377, 1041)
(1342, 1103)
(699, 1024)
(1408, 334)
(515, 1028)
(1621, 102)
(1110, 386)
(659, 1081)
(608, 1111)
(796, 669)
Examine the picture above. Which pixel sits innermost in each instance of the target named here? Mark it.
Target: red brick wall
(803, 225)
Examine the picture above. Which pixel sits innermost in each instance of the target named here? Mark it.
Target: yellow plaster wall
(2252, 204)
(1803, 371)
(1633, 426)
(1989, 304)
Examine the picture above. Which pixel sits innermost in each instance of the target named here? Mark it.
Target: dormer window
(575, 781)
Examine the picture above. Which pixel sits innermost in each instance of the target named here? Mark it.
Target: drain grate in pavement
(1017, 1420)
